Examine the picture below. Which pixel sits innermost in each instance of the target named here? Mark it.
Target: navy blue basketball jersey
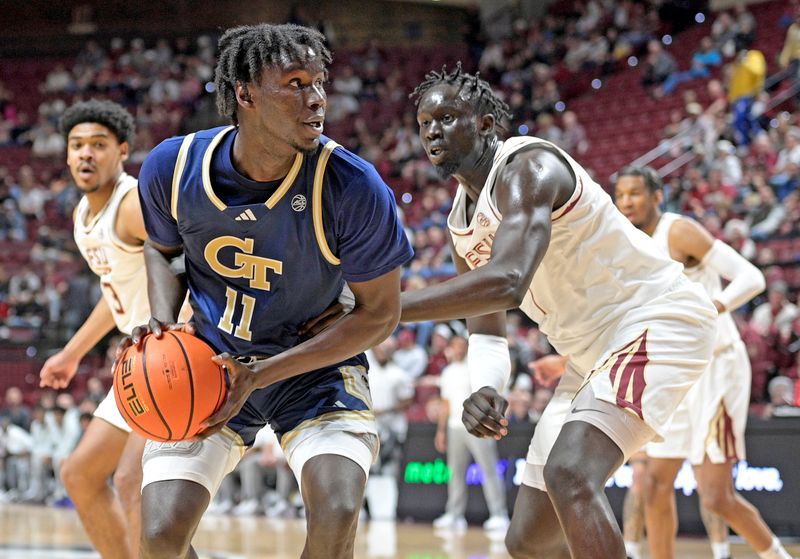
(263, 258)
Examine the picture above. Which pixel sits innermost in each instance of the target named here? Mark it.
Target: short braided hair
(478, 91)
(111, 115)
(244, 52)
(649, 175)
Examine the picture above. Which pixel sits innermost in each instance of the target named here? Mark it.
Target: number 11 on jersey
(226, 322)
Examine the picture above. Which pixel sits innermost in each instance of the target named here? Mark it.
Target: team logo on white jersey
(299, 203)
(483, 220)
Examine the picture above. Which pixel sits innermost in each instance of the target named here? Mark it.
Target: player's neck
(652, 225)
(257, 161)
(99, 198)
(474, 176)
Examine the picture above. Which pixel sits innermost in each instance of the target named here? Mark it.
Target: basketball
(166, 389)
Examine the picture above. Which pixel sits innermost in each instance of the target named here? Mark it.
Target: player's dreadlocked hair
(109, 114)
(245, 51)
(477, 90)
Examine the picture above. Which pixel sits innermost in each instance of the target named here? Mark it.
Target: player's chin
(307, 146)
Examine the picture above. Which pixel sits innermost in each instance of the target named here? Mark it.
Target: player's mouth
(435, 153)
(315, 125)
(86, 172)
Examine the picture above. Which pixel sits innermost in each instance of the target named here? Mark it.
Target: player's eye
(447, 118)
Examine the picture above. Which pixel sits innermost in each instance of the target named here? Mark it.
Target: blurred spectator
(775, 317)
(748, 73)
(392, 393)
(781, 398)
(15, 409)
(574, 138)
(659, 65)
(541, 397)
(519, 406)
(737, 235)
(786, 172)
(790, 54)
(410, 357)
(705, 58)
(453, 439)
(547, 129)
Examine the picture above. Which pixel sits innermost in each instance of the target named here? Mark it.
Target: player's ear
(124, 150)
(659, 196)
(243, 96)
(487, 124)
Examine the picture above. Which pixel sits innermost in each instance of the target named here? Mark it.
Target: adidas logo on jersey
(246, 215)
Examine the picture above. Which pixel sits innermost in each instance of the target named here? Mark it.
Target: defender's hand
(242, 384)
(548, 369)
(155, 327)
(484, 414)
(329, 316)
(58, 370)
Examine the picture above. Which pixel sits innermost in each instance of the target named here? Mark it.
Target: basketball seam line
(125, 409)
(191, 385)
(150, 391)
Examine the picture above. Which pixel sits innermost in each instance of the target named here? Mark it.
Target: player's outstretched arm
(531, 185)
(691, 243)
(59, 369)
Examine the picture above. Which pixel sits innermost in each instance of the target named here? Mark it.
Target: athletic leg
(718, 495)
(535, 532)
(661, 516)
(171, 511)
(717, 531)
(576, 488)
(457, 461)
(85, 474)
(633, 508)
(128, 483)
(333, 492)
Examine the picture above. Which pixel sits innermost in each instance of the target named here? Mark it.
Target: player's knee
(656, 487)
(128, 484)
(336, 515)
(163, 540)
(566, 479)
(716, 499)
(74, 477)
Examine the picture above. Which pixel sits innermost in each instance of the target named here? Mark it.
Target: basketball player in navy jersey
(273, 219)
(531, 229)
(110, 233)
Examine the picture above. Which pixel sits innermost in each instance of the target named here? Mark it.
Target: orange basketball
(169, 387)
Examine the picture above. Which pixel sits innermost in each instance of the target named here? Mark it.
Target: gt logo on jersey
(248, 266)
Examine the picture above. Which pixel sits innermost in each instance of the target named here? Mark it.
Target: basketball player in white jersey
(531, 229)
(110, 233)
(708, 427)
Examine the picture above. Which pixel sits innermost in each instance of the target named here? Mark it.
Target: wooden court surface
(30, 532)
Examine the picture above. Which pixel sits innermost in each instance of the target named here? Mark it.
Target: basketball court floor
(29, 532)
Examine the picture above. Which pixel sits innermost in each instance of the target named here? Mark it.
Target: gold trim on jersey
(180, 163)
(287, 182)
(355, 383)
(207, 168)
(356, 415)
(319, 228)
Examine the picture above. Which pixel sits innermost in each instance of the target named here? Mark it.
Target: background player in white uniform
(109, 231)
(532, 230)
(709, 426)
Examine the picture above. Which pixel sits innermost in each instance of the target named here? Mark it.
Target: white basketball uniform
(712, 418)
(120, 267)
(638, 334)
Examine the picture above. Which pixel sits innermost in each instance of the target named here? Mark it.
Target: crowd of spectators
(742, 185)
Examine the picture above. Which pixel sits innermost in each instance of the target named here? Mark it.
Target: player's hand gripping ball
(167, 387)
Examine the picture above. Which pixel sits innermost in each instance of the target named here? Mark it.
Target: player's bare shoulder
(689, 241)
(129, 225)
(537, 174)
